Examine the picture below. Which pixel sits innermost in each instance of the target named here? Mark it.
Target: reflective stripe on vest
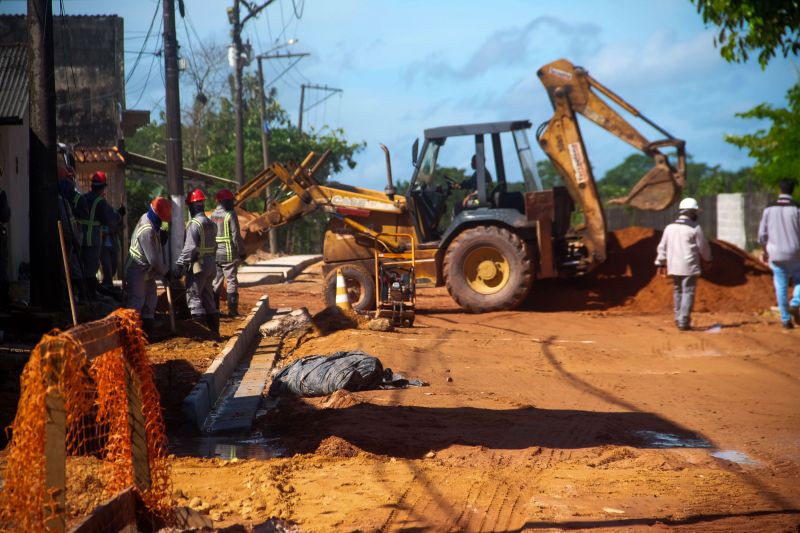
(202, 250)
(91, 222)
(226, 237)
(136, 249)
(75, 199)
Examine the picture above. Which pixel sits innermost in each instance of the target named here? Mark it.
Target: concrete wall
(618, 217)
(14, 180)
(732, 217)
(89, 58)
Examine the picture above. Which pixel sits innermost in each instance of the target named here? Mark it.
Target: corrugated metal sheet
(13, 83)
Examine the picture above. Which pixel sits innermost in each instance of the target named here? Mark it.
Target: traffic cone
(342, 301)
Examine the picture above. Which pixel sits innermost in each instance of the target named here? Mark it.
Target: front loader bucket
(662, 185)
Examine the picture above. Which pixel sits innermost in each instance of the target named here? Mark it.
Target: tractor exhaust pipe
(389, 190)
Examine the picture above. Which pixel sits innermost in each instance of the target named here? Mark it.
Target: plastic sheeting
(320, 375)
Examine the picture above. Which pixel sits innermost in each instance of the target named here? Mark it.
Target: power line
(144, 44)
(302, 8)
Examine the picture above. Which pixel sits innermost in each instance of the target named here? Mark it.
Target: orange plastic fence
(99, 453)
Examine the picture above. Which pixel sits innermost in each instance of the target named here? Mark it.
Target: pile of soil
(628, 279)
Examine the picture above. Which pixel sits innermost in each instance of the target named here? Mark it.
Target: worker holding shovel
(146, 262)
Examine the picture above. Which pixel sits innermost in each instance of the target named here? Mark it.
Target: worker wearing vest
(230, 250)
(146, 262)
(100, 214)
(197, 262)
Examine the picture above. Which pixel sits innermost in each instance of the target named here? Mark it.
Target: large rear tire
(360, 287)
(488, 269)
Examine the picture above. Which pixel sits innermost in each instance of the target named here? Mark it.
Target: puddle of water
(716, 328)
(734, 457)
(226, 447)
(654, 439)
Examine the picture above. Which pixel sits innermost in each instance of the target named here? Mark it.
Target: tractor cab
(431, 195)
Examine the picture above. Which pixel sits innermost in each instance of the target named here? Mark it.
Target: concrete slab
(276, 270)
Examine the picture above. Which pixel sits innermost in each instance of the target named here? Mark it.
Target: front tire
(488, 269)
(360, 287)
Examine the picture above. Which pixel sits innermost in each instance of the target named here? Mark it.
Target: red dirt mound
(735, 282)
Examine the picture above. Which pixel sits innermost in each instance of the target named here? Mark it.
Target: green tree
(701, 179)
(209, 146)
(775, 149)
(753, 25)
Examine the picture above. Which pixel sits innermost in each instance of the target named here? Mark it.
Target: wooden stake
(67, 273)
(171, 308)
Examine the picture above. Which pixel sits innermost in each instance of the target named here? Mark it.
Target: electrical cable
(302, 8)
(144, 44)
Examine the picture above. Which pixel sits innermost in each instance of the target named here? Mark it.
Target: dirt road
(606, 420)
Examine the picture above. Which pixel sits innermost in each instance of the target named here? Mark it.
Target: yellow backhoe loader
(491, 251)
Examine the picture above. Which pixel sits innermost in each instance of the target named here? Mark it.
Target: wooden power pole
(43, 189)
(173, 144)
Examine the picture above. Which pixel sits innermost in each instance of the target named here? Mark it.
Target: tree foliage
(775, 149)
(702, 179)
(753, 25)
(209, 146)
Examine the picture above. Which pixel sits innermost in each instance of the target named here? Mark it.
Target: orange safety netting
(99, 455)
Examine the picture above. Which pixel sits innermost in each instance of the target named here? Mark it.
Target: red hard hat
(99, 179)
(162, 208)
(195, 196)
(224, 194)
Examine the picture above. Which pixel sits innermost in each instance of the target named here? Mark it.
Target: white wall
(15, 181)
(730, 219)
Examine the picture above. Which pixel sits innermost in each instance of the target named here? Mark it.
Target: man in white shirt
(680, 252)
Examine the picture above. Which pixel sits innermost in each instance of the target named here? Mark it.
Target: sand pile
(735, 282)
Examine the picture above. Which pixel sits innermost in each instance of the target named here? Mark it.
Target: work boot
(213, 324)
(788, 325)
(149, 327)
(233, 304)
(795, 312)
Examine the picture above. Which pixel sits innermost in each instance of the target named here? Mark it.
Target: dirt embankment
(628, 280)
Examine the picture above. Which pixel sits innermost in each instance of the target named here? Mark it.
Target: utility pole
(237, 97)
(174, 149)
(303, 87)
(273, 234)
(43, 190)
(237, 23)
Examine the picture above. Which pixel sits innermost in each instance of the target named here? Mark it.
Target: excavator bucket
(657, 190)
(662, 185)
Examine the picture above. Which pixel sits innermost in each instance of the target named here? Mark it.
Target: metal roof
(13, 83)
(476, 129)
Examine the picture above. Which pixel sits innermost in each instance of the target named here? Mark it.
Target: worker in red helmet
(146, 262)
(100, 214)
(230, 250)
(197, 262)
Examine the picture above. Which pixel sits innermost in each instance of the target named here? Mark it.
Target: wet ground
(594, 420)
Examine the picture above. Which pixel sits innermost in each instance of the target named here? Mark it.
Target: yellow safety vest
(202, 250)
(91, 222)
(226, 238)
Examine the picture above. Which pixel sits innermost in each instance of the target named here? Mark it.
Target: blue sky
(413, 64)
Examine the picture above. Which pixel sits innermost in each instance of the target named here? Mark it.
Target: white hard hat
(689, 203)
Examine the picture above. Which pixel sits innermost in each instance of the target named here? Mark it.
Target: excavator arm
(570, 89)
(299, 193)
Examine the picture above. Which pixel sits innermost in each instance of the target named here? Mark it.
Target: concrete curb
(275, 273)
(203, 396)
